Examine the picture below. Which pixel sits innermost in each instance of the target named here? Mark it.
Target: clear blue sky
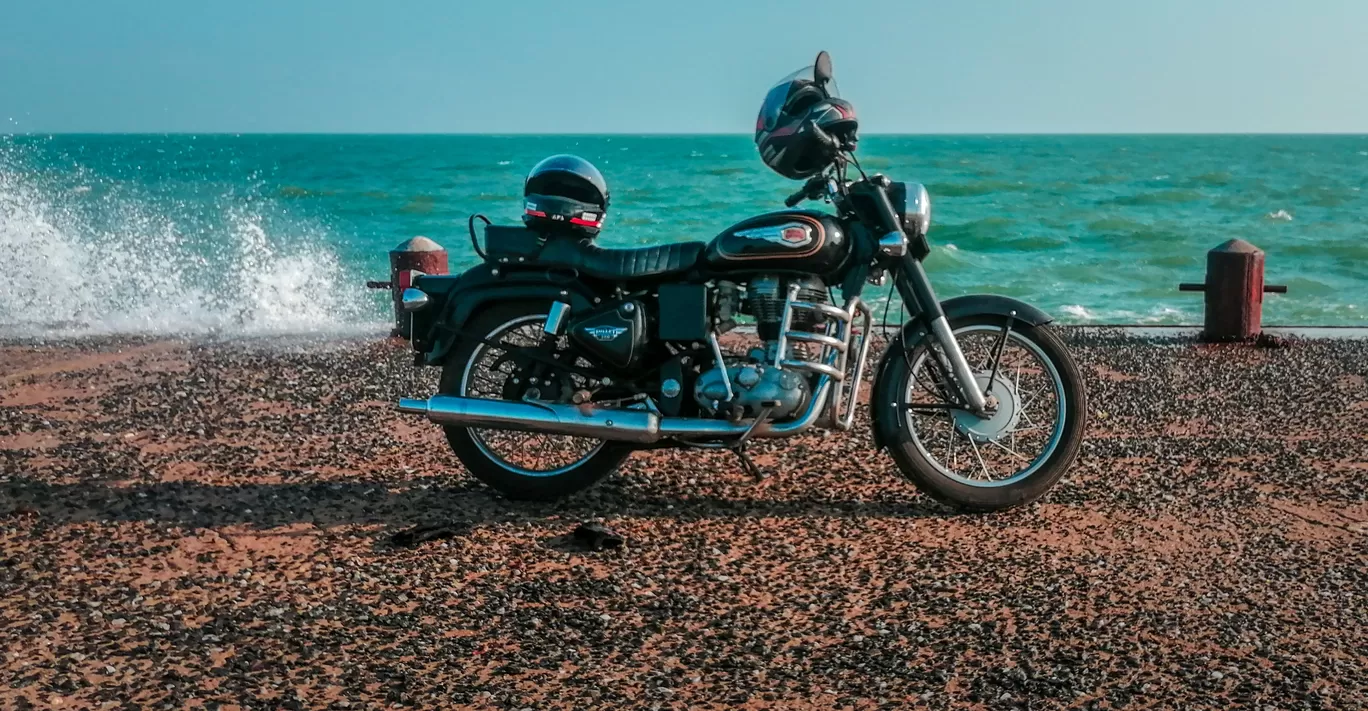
(680, 67)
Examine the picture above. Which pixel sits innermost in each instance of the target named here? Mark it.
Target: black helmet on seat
(565, 193)
(794, 110)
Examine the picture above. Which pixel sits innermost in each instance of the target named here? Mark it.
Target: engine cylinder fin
(768, 294)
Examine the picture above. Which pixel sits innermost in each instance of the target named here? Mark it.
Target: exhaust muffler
(617, 425)
(613, 424)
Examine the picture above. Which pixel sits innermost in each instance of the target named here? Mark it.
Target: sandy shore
(207, 525)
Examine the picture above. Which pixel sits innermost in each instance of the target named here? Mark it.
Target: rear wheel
(521, 465)
(1015, 452)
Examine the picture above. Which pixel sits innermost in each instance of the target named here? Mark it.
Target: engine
(756, 383)
(755, 386)
(765, 301)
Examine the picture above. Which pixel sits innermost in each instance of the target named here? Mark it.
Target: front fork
(920, 301)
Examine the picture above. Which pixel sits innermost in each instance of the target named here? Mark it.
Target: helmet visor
(779, 94)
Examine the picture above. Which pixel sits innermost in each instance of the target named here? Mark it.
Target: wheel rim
(1017, 439)
(488, 377)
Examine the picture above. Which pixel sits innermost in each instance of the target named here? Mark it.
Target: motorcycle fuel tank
(791, 240)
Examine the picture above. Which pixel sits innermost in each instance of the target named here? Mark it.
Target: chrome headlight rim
(915, 209)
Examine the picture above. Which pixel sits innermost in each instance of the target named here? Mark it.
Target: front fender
(486, 284)
(914, 331)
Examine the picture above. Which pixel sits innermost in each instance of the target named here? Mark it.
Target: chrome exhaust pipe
(687, 428)
(617, 425)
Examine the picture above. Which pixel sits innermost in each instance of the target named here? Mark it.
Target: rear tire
(911, 450)
(477, 454)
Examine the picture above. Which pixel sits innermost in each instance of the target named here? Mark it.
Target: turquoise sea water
(115, 233)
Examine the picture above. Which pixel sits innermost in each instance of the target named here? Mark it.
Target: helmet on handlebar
(793, 119)
(565, 193)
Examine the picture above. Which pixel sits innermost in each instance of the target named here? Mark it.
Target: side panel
(436, 328)
(914, 331)
(616, 333)
(791, 240)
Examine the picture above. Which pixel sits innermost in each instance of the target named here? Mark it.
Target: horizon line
(667, 134)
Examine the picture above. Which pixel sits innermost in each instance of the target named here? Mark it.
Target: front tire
(520, 465)
(992, 463)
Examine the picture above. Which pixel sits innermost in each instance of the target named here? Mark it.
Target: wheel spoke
(1026, 401)
(1016, 387)
(1009, 450)
(978, 456)
(950, 438)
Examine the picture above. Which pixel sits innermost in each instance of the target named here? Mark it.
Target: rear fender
(482, 286)
(914, 331)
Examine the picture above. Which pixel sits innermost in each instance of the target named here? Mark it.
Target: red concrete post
(1234, 292)
(419, 253)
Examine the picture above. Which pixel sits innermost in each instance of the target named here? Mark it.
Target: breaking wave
(1078, 312)
(99, 258)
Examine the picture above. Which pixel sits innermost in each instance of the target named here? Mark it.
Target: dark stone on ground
(595, 537)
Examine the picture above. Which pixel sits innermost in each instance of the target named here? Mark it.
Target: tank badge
(790, 234)
(605, 334)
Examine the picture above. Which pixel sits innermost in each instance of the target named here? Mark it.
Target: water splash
(99, 258)
(1078, 312)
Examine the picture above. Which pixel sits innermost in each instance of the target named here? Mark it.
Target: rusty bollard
(419, 253)
(1234, 291)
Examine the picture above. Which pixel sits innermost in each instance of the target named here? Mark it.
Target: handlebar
(811, 190)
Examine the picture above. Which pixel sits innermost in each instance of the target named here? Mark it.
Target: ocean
(258, 234)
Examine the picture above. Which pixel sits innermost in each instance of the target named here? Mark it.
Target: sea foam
(1078, 312)
(104, 261)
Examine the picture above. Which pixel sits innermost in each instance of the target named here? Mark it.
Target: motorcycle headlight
(913, 202)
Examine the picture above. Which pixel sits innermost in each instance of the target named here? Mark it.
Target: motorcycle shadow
(464, 504)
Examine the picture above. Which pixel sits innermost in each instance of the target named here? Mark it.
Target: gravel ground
(190, 525)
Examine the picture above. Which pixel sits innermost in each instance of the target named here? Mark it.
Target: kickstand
(746, 463)
(740, 447)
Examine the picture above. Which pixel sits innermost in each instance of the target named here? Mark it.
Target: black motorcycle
(560, 358)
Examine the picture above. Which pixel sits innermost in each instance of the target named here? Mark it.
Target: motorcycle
(560, 358)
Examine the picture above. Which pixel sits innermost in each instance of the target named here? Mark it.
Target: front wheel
(1010, 455)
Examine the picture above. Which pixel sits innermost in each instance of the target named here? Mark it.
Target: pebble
(1212, 505)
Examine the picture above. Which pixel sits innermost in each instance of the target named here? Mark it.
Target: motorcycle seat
(621, 264)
